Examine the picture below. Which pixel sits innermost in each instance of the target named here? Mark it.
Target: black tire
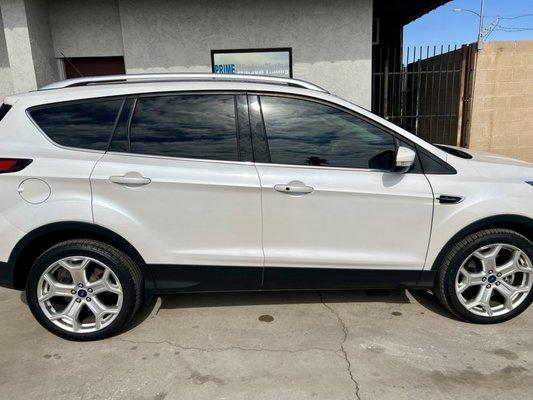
(445, 283)
(127, 272)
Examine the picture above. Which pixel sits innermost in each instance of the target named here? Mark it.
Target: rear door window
(84, 125)
(202, 126)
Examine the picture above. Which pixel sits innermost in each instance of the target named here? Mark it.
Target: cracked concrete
(179, 346)
(345, 336)
(292, 345)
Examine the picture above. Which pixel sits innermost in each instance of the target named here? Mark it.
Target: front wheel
(84, 289)
(488, 276)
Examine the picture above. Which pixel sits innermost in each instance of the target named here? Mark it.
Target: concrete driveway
(292, 345)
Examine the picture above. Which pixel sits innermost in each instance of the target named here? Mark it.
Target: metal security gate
(426, 91)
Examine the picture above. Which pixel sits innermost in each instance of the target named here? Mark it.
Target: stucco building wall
(331, 41)
(502, 108)
(17, 39)
(82, 28)
(42, 50)
(6, 85)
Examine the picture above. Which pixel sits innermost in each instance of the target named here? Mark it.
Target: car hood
(484, 156)
(490, 164)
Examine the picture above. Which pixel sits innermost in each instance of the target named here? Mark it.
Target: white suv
(113, 188)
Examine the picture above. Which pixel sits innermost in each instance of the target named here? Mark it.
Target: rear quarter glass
(86, 124)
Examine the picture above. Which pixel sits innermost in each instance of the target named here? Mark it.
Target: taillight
(13, 164)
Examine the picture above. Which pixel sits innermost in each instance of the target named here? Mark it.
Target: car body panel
(488, 190)
(192, 211)
(65, 171)
(353, 218)
(222, 214)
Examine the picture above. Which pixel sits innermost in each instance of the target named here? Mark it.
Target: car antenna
(71, 64)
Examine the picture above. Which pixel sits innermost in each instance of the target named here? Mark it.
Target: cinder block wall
(502, 109)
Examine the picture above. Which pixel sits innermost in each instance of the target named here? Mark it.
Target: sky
(444, 26)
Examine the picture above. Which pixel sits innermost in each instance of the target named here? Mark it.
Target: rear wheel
(488, 276)
(84, 289)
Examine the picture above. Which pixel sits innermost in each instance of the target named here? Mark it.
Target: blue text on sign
(224, 68)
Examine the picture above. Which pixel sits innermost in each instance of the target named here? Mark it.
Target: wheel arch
(34, 243)
(517, 223)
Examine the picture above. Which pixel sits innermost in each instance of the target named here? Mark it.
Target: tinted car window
(189, 126)
(301, 132)
(4, 108)
(86, 125)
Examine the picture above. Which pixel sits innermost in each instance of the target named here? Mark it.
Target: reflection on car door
(178, 184)
(332, 209)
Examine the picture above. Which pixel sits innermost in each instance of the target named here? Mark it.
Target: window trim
(117, 118)
(395, 136)
(122, 111)
(128, 126)
(246, 151)
(61, 103)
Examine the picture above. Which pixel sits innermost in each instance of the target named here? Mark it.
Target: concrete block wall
(502, 109)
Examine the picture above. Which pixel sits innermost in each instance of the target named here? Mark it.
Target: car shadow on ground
(195, 300)
(151, 306)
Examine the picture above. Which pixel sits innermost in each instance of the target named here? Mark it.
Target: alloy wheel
(80, 294)
(494, 280)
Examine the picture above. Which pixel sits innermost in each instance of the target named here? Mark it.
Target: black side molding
(202, 278)
(7, 275)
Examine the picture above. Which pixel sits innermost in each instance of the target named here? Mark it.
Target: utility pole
(483, 32)
(480, 36)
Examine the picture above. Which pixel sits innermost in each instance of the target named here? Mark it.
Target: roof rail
(83, 81)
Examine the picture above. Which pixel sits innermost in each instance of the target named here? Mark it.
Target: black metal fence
(423, 89)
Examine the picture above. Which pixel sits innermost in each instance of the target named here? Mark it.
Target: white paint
(34, 191)
(185, 197)
(350, 220)
(209, 212)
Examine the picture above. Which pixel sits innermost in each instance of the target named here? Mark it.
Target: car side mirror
(404, 160)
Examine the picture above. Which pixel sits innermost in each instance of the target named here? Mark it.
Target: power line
(512, 29)
(517, 16)
(509, 16)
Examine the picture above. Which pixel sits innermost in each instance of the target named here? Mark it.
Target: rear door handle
(294, 188)
(132, 180)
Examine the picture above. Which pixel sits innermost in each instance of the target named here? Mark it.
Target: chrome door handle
(130, 180)
(293, 188)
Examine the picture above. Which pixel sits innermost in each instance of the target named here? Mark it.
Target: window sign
(269, 62)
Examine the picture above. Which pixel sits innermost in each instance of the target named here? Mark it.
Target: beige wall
(502, 110)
